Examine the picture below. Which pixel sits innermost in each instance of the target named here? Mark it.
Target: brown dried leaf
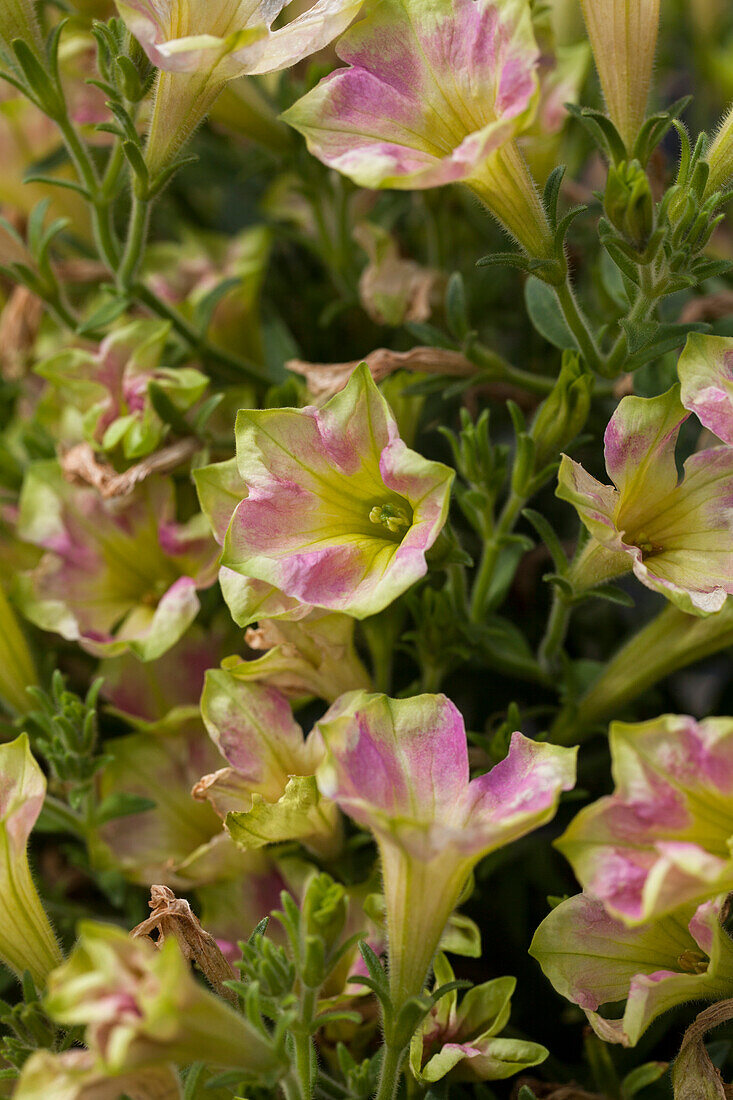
(326, 379)
(172, 916)
(81, 466)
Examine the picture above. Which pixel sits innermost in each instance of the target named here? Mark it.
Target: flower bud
(323, 918)
(142, 1007)
(628, 202)
(18, 20)
(27, 941)
(623, 35)
(720, 156)
(563, 413)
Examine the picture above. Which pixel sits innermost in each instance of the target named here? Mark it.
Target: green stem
(671, 641)
(498, 369)
(228, 368)
(490, 555)
(557, 627)
(578, 325)
(135, 244)
(304, 1043)
(390, 1074)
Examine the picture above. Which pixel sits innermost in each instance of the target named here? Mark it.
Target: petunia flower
(594, 960)
(200, 45)
(400, 769)
(434, 94)
(268, 793)
(115, 575)
(72, 1075)
(27, 941)
(141, 1006)
(462, 1041)
(328, 508)
(674, 534)
(112, 386)
(705, 371)
(663, 838)
(623, 36)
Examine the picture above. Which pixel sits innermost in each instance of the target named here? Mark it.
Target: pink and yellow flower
(435, 92)
(594, 960)
(141, 1006)
(202, 44)
(111, 385)
(705, 370)
(115, 575)
(400, 769)
(324, 508)
(675, 535)
(663, 838)
(268, 793)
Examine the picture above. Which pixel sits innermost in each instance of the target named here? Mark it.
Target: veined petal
(431, 91)
(593, 959)
(640, 446)
(705, 370)
(663, 837)
(337, 513)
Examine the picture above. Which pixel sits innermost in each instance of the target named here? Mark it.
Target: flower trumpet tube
(400, 769)
(435, 93)
(675, 536)
(27, 941)
(18, 19)
(199, 46)
(623, 36)
(671, 641)
(17, 669)
(141, 1006)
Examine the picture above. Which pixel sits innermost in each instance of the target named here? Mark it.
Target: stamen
(391, 516)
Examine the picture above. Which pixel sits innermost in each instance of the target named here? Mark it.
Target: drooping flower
(400, 769)
(663, 838)
(623, 35)
(268, 793)
(27, 941)
(141, 1006)
(676, 537)
(311, 656)
(116, 575)
(593, 960)
(392, 289)
(111, 386)
(463, 1040)
(705, 370)
(73, 1076)
(325, 507)
(200, 45)
(436, 92)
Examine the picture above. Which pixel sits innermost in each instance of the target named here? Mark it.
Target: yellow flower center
(645, 544)
(392, 516)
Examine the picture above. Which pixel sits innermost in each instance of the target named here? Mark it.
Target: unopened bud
(563, 413)
(628, 202)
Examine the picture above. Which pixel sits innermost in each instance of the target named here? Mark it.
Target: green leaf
(546, 315)
(640, 1077)
(456, 310)
(104, 315)
(551, 194)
